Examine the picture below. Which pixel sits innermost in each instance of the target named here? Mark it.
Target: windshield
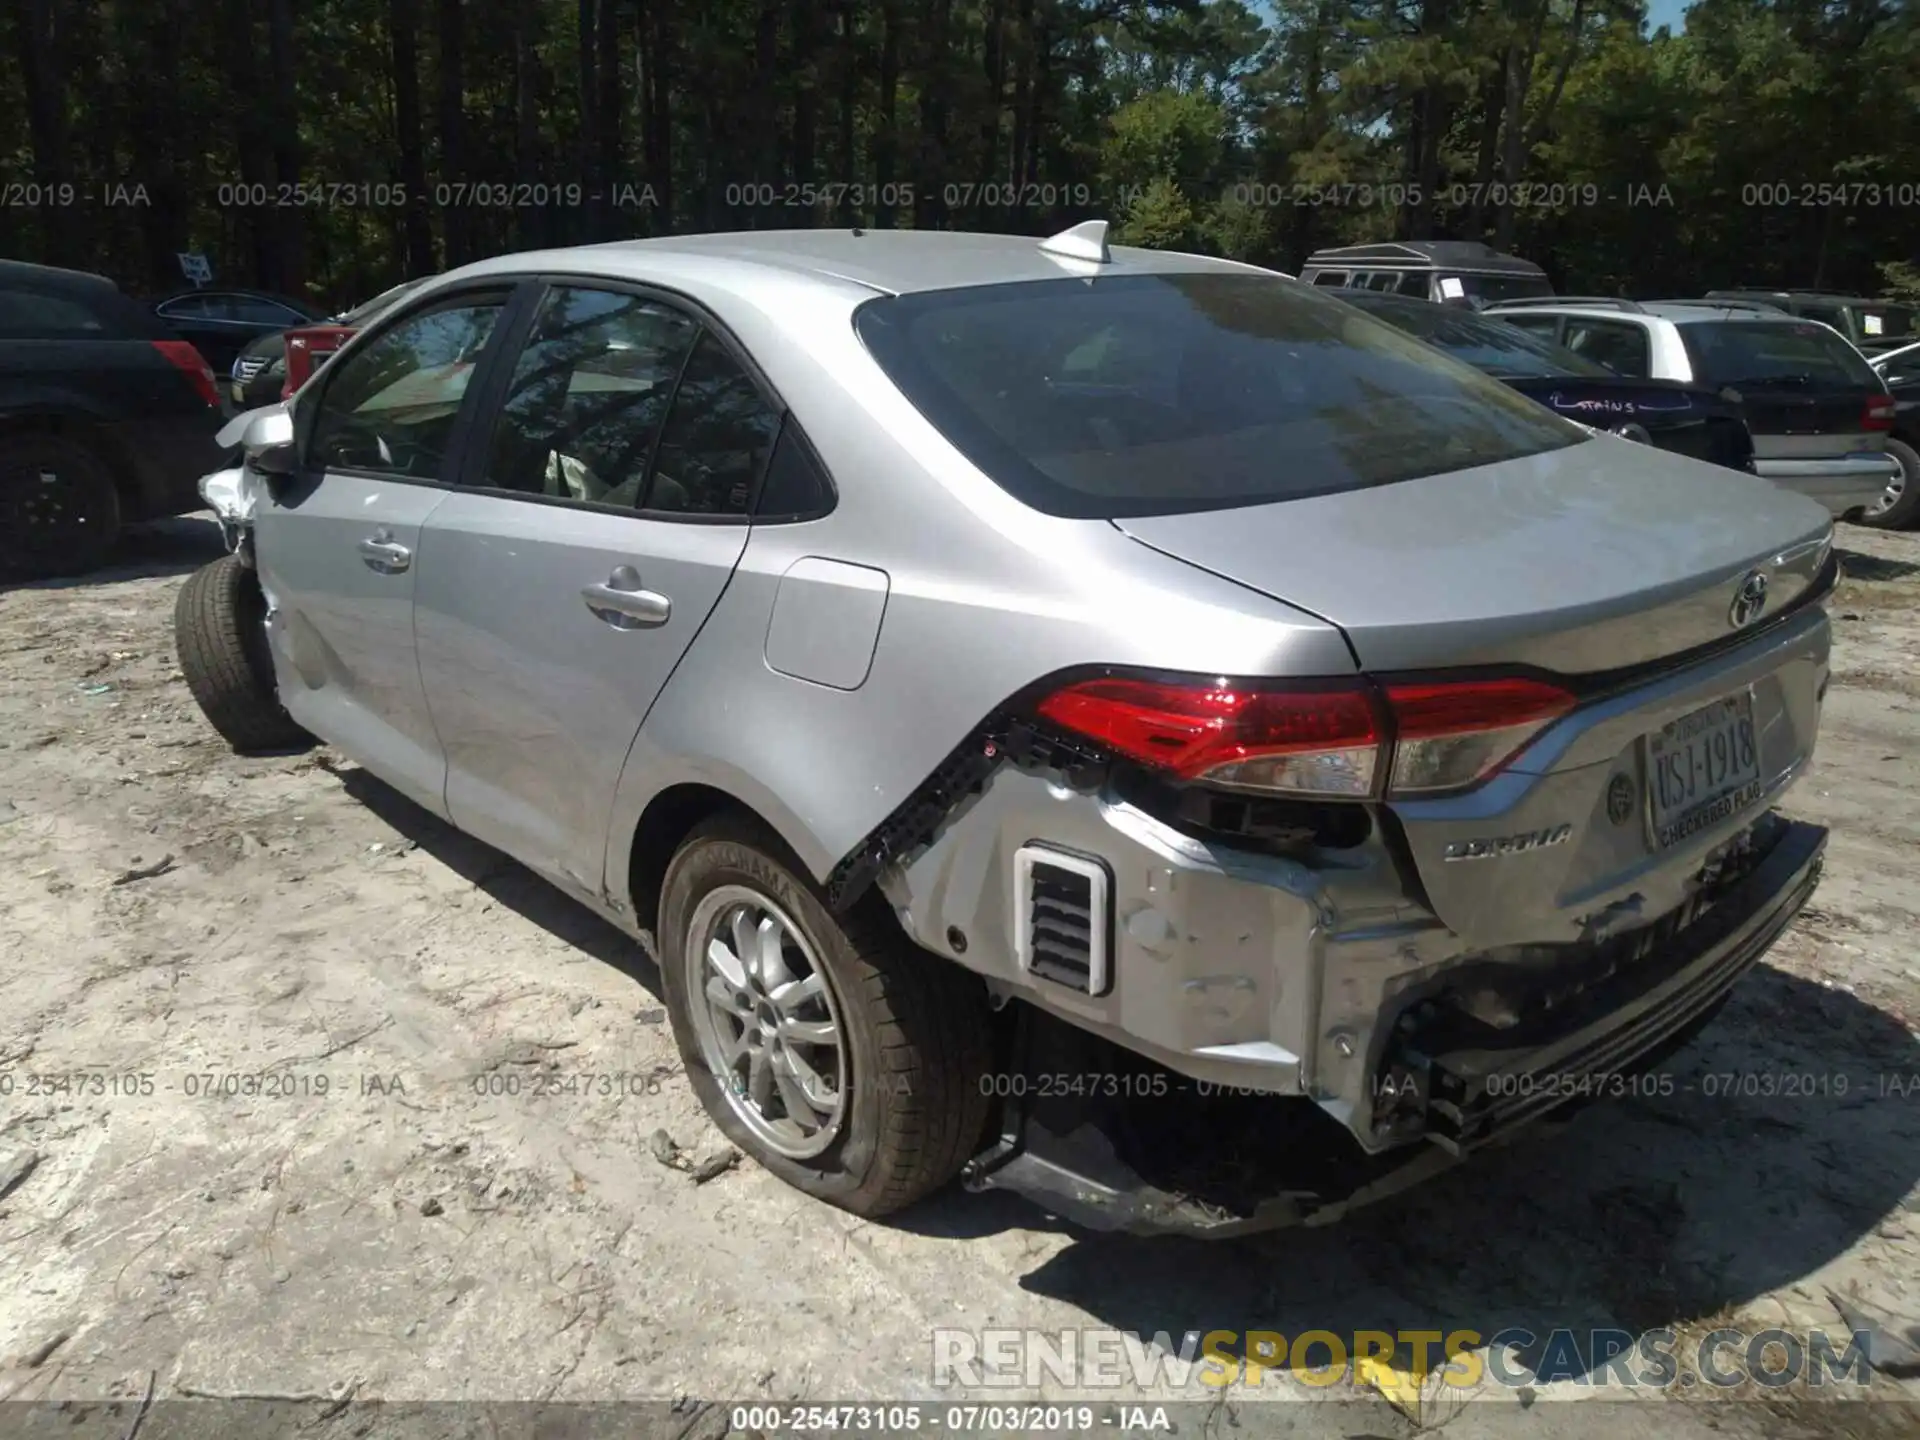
(1489, 288)
(1504, 351)
(1794, 354)
(1156, 394)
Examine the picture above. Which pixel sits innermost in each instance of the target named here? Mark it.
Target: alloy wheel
(767, 1021)
(1890, 497)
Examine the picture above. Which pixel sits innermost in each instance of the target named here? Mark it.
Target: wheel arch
(644, 844)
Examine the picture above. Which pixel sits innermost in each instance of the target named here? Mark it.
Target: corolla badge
(1749, 599)
(1494, 846)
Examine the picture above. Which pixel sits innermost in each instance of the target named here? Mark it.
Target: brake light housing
(1348, 738)
(1879, 413)
(191, 363)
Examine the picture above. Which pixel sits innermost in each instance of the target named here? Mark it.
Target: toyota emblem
(1636, 433)
(1749, 599)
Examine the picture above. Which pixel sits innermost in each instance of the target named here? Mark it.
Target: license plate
(1702, 768)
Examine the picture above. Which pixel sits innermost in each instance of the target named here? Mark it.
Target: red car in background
(308, 348)
(311, 346)
(270, 368)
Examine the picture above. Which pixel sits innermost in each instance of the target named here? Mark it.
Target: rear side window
(1144, 395)
(35, 315)
(716, 438)
(796, 487)
(1617, 344)
(1333, 279)
(1788, 352)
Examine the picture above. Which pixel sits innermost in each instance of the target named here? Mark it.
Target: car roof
(51, 277)
(1432, 254)
(1695, 311)
(886, 262)
(1680, 312)
(1577, 311)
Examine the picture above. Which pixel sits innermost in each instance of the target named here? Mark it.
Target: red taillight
(193, 365)
(1879, 413)
(1319, 740)
(1328, 739)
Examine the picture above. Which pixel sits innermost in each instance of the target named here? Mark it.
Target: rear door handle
(623, 604)
(382, 552)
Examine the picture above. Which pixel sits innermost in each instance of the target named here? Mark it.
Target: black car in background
(1687, 419)
(220, 323)
(1873, 326)
(1901, 370)
(106, 416)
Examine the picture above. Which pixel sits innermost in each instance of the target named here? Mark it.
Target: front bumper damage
(1147, 1150)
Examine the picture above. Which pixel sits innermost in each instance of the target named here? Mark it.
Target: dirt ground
(429, 1228)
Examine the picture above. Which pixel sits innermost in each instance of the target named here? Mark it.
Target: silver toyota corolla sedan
(951, 653)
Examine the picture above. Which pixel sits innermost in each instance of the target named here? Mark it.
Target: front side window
(1544, 326)
(392, 406)
(257, 311)
(1208, 390)
(588, 397)
(196, 307)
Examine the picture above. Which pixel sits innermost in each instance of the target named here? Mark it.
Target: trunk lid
(1592, 558)
(1589, 558)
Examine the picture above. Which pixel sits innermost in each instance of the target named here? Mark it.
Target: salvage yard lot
(372, 1109)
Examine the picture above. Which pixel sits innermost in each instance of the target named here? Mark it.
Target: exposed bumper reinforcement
(1477, 1095)
(1102, 1156)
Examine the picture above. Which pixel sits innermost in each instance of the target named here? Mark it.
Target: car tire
(898, 1103)
(219, 628)
(59, 508)
(1905, 507)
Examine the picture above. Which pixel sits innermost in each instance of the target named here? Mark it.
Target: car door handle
(623, 604)
(381, 552)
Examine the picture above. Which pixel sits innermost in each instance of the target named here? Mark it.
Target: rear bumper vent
(1063, 918)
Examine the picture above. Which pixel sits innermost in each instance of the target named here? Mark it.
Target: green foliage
(1784, 138)
(1160, 218)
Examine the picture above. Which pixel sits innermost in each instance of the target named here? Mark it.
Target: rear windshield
(1493, 346)
(1768, 352)
(1155, 394)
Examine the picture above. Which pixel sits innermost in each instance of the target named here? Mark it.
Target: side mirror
(265, 440)
(275, 462)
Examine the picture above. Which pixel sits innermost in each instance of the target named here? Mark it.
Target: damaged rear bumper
(1158, 1153)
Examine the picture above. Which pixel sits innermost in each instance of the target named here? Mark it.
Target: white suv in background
(1818, 411)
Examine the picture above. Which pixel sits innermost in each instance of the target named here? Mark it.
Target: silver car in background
(1021, 691)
